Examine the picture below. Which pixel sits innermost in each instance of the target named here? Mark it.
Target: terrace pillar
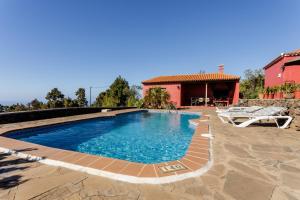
(236, 93)
(205, 100)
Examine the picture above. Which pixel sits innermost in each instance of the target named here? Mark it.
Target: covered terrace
(207, 89)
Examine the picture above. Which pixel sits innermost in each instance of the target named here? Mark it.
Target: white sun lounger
(269, 113)
(239, 109)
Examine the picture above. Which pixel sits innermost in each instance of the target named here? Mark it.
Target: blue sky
(71, 44)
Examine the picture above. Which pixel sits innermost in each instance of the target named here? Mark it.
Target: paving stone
(198, 190)
(218, 196)
(8, 193)
(241, 187)
(61, 192)
(211, 181)
(234, 149)
(271, 148)
(248, 170)
(48, 183)
(292, 196)
(217, 170)
(280, 194)
(291, 180)
(274, 156)
(290, 169)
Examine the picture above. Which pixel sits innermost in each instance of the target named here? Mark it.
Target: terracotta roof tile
(293, 53)
(192, 78)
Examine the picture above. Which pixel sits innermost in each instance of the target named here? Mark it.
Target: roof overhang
(191, 78)
(274, 61)
(282, 55)
(292, 62)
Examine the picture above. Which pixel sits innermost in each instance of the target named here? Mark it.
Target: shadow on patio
(9, 166)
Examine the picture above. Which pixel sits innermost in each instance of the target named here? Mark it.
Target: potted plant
(275, 92)
(289, 89)
(261, 93)
(280, 91)
(297, 92)
(266, 92)
(271, 92)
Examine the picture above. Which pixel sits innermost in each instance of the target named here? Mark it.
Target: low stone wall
(12, 117)
(293, 106)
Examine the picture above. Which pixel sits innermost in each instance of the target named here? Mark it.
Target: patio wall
(12, 117)
(293, 106)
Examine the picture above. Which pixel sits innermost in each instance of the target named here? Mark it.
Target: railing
(195, 101)
(199, 101)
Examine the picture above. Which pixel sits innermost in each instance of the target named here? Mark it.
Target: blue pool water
(143, 137)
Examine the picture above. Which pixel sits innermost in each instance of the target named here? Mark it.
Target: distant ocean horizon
(9, 102)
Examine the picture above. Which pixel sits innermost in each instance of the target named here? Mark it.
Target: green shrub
(170, 106)
(298, 87)
(139, 103)
(156, 98)
(252, 83)
(289, 87)
(267, 90)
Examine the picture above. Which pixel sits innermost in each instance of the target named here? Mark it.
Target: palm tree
(156, 98)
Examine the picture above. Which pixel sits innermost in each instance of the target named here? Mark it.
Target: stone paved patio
(251, 163)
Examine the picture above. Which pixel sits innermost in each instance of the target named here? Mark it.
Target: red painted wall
(292, 73)
(289, 74)
(173, 89)
(272, 73)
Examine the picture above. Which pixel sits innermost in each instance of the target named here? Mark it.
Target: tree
(118, 93)
(1, 108)
(44, 106)
(68, 102)
(55, 98)
(133, 95)
(252, 83)
(4, 108)
(109, 101)
(36, 104)
(157, 98)
(100, 99)
(81, 98)
(17, 107)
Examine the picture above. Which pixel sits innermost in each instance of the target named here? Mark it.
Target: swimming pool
(144, 137)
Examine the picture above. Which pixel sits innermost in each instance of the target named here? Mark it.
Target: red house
(284, 68)
(198, 89)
